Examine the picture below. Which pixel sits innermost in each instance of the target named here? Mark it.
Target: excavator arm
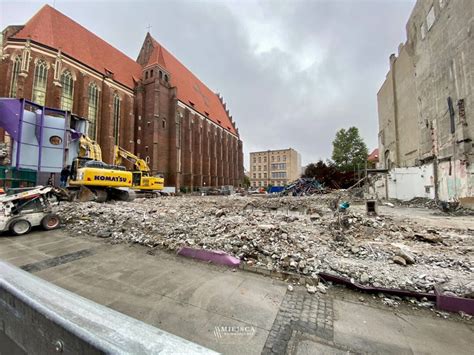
(89, 148)
(139, 164)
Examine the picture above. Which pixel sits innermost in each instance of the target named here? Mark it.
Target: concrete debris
(281, 234)
(465, 316)
(321, 288)
(311, 289)
(290, 288)
(399, 260)
(390, 302)
(430, 238)
(408, 257)
(442, 208)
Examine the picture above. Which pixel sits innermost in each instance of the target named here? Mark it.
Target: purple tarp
(10, 116)
(214, 256)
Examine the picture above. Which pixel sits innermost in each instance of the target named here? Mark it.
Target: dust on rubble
(301, 235)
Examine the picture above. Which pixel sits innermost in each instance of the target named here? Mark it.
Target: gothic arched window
(116, 118)
(39, 83)
(68, 91)
(15, 73)
(93, 109)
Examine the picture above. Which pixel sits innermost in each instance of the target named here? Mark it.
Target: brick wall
(198, 153)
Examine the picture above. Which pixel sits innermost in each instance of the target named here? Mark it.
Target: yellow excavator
(142, 180)
(97, 180)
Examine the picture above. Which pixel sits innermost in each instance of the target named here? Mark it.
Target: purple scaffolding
(12, 119)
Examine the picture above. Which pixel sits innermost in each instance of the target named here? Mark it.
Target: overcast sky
(292, 72)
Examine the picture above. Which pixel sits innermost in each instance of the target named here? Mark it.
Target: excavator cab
(142, 179)
(137, 178)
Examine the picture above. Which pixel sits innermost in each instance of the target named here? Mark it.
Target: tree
(246, 181)
(329, 175)
(349, 150)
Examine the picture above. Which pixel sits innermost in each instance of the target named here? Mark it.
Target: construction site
(128, 227)
(253, 273)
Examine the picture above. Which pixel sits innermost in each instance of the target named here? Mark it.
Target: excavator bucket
(85, 194)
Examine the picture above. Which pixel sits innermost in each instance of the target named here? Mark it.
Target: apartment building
(274, 167)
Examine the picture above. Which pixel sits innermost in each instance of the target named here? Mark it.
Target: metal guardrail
(39, 317)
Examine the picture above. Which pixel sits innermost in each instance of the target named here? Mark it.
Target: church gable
(146, 51)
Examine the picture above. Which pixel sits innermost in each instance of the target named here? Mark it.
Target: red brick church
(154, 106)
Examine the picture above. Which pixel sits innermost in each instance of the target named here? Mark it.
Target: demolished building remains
(425, 107)
(287, 234)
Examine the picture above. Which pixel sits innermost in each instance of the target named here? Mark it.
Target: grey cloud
(275, 102)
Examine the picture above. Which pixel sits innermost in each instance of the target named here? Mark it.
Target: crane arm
(139, 164)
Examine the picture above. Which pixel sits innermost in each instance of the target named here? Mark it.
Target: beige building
(274, 167)
(426, 121)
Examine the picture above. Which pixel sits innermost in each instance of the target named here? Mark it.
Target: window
(254, 168)
(254, 160)
(160, 74)
(55, 140)
(284, 158)
(264, 175)
(273, 159)
(163, 123)
(116, 118)
(259, 159)
(178, 135)
(254, 175)
(259, 175)
(265, 167)
(39, 83)
(151, 73)
(15, 73)
(430, 18)
(166, 78)
(259, 168)
(264, 159)
(146, 75)
(92, 110)
(278, 158)
(68, 91)
(278, 175)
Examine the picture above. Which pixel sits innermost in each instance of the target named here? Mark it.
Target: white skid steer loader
(22, 209)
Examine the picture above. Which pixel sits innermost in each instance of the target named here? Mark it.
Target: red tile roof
(191, 91)
(374, 156)
(51, 28)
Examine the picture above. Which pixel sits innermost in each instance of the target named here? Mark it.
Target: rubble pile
(441, 208)
(417, 202)
(300, 235)
(303, 187)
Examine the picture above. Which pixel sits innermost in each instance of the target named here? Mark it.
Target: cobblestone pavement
(300, 313)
